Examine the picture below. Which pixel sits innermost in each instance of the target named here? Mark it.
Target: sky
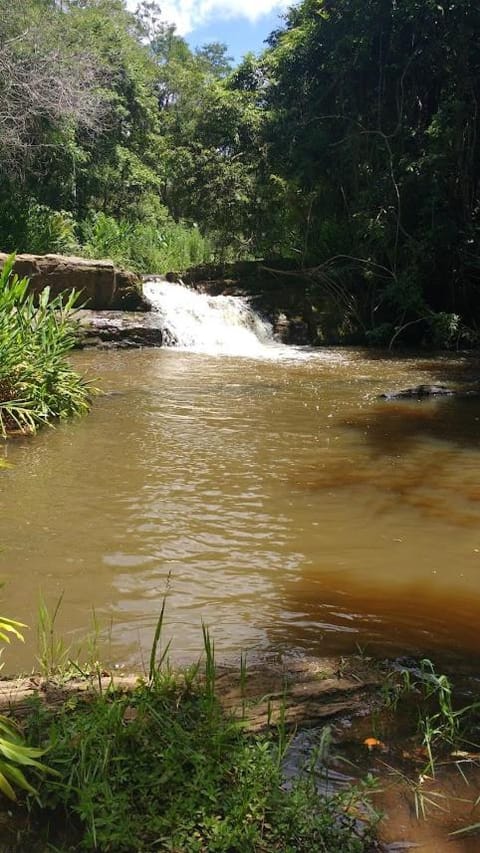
(242, 25)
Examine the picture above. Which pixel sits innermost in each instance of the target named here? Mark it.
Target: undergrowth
(148, 240)
(147, 247)
(164, 769)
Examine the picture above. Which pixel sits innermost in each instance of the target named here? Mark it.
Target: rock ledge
(101, 284)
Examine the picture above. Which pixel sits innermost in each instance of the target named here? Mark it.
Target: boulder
(101, 284)
(117, 330)
(291, 330)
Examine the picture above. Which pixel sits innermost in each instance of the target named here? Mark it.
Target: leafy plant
(15, 754)
(9, 628)
(37, 383)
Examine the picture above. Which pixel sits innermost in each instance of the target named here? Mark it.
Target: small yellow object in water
(373, 743)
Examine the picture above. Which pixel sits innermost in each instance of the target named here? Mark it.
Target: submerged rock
(420, 392)
(101, 284)
(417, 392)
(117, 330)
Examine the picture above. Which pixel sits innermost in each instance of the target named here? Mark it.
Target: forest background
(347, 151)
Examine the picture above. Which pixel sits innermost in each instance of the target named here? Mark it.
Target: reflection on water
(393, 427)
(337, 614)
(282, 503)
(429, 485)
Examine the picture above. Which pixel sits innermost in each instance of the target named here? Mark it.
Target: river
(272, 496)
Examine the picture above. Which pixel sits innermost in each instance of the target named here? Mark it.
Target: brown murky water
(280, 502)
(418, 812)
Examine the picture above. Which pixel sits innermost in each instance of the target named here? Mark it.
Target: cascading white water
(220, 325)
(212, 324)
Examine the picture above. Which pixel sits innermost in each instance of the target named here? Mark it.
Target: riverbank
(301, 692)
(312, 754)
(190, 761)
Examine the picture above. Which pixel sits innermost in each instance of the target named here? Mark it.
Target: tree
(372, 128)
(215, 59)
(46, 81)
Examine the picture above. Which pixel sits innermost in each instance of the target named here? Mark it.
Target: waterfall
(224, 325)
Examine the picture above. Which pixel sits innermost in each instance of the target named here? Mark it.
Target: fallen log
(297, 693)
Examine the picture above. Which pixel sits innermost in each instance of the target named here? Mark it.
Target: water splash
(215, 325)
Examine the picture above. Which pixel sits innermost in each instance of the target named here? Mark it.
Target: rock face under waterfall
(280, 291)
(101, 284)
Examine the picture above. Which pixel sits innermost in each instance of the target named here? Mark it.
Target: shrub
(49, 230)
(147, 247)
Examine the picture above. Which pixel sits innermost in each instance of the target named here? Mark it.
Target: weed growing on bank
(164, 769)
(446, 737)
(37, 383)
(442, 728)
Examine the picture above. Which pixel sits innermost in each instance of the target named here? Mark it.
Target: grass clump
(37, 383)
(164, 769)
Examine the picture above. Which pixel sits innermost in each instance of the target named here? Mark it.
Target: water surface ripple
(282, 503)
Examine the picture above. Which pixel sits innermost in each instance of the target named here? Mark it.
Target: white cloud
(189, 14)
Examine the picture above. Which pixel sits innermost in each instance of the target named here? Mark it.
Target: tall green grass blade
(155, 664)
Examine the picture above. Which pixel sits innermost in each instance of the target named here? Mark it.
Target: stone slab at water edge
(101, 284)
(117, 330)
